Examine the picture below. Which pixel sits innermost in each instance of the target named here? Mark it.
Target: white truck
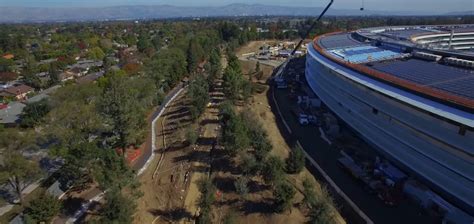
(303, 119)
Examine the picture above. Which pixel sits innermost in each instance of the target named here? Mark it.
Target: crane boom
(311, 28)
(283, 66)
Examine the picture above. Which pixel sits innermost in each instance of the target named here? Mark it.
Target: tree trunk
(18, 190)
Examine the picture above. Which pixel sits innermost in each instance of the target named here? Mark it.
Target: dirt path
(164, 183)
(209, 126)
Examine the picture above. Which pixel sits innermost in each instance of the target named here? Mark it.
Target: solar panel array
(452, 79)
(363, 54)
(406, 33)
(464, 87)
(464, 29)
(338, 40)
(361, 50)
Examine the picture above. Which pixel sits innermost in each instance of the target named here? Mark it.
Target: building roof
(392, 90)
(456, 80)
(89, 78)
(338, 41)
(55, 190)
(66, 75)
(8, 56)
(18, 89)
(8, 76)
(453, 85)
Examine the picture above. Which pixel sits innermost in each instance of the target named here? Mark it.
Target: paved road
(326, 156)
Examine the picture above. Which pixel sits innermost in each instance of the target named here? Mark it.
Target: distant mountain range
(37, 14)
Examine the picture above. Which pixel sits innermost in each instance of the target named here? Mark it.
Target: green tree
(96, 53)
(241, 185)
(320, 213)
(257, 67)
(249, 164)
(229, 31)
(191, 136)
(215, 62)
(230, 218)
(309, 193)
(194, 55)
(17, 171)
(283, 193)
(123, 112)
(112, 171)
(199, 95)
(206, 199)
(296, 161)
(15, 140)
(144, 43)
(167, 68)
(117, 209)
(235, 137)
(32, 80)
(258, 136)
(320, 205)
(34, 112)
(6, 65)
(53, 73)
(273, 170)
(75, 131)
(42, 209)
(232, 81)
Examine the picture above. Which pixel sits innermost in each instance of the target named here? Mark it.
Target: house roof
(8, 56)
(76, 70)
(8, 76)
(66, 75)
(18, 89)
(90, 78)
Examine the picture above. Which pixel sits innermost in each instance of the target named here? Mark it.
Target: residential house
(8, 77)
(71, 74)
(78, 72)
(66, 75)
(86, 65)
(89, 78)
(19, 91)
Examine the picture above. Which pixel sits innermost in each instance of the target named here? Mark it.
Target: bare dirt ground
(170, 188)
(165, 182)
(260, 106)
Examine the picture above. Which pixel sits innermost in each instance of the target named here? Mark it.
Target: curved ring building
(409, 92)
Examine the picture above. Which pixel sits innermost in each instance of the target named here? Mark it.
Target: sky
(438, 6)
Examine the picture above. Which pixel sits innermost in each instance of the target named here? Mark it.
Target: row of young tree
(243, 136)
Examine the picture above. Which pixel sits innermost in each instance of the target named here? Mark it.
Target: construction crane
(283, 66)
(311, 28)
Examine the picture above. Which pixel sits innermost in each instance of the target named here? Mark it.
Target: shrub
(273, 170)
(241, 185)
(42, 209)
(296, 161)
(283, 193)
